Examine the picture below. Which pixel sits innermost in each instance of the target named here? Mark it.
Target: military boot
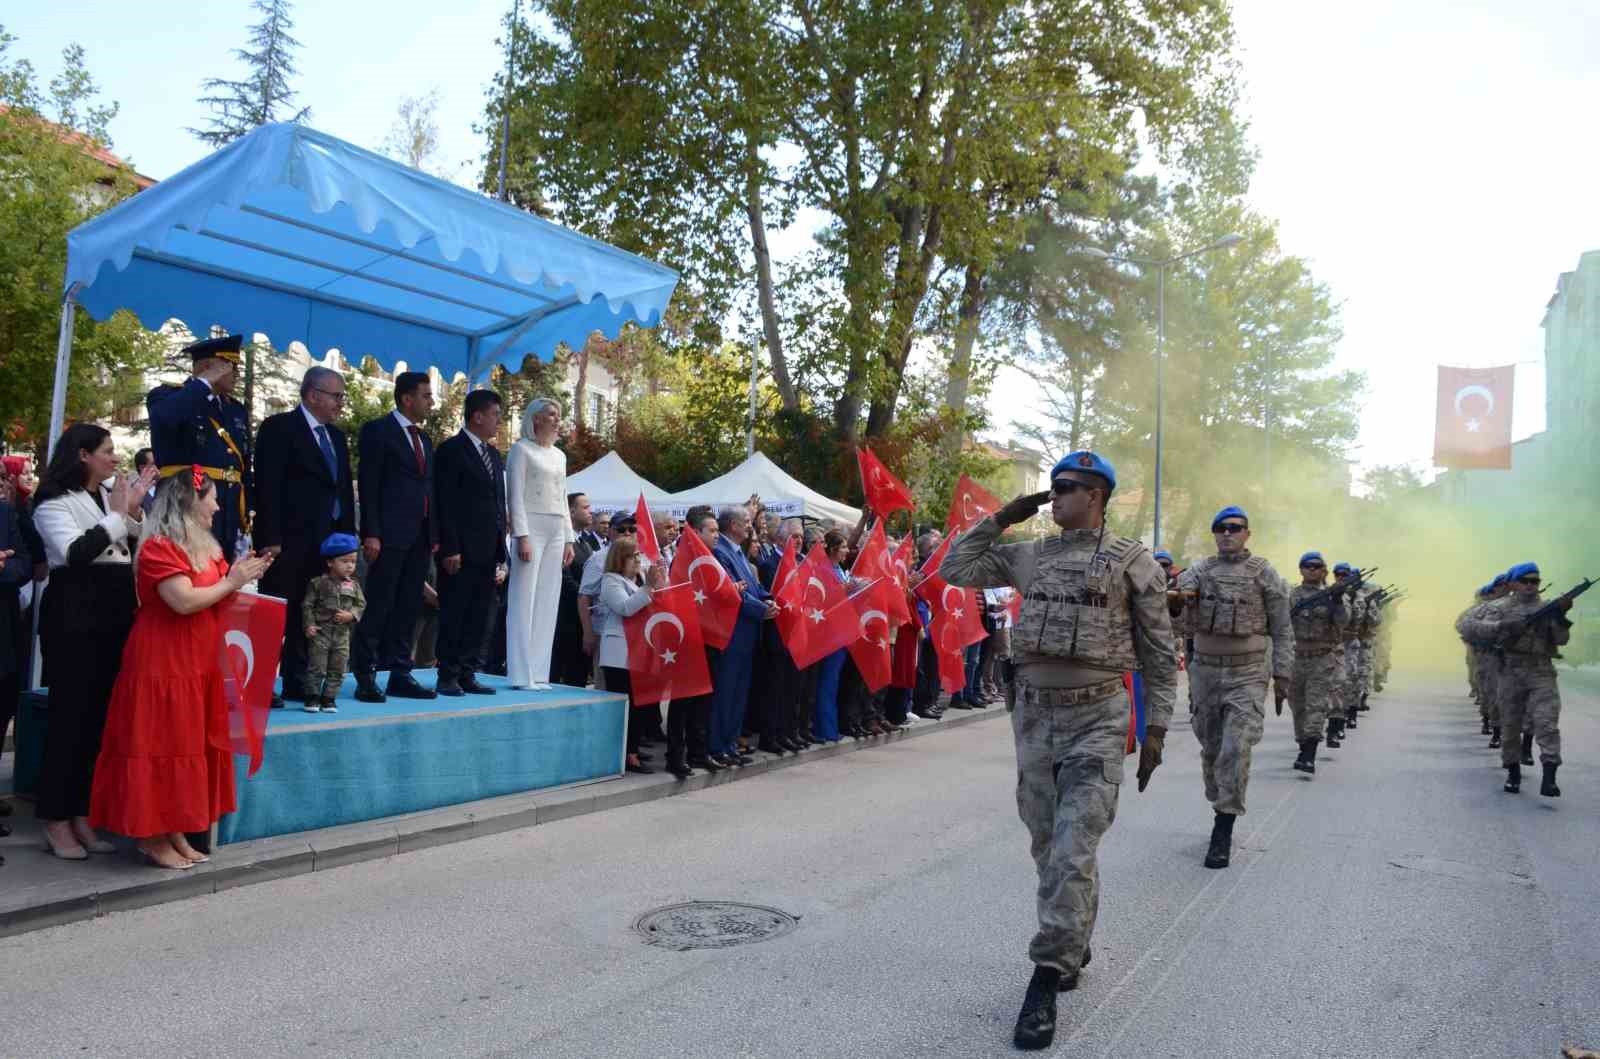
(1527, 748)
(1350, 718)
(1221, 847)
(1334, 731)
(1036, 1024)
(1548, 788)
(1307, 761)
(1494, 738)
(1513, 779)
(1486, 726)
(1363, 707)
(1069, 982)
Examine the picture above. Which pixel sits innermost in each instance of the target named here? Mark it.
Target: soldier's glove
(1021, 509)
(1155, 738)
(1278, 695)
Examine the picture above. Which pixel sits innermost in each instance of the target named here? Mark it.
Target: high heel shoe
(65, 852)
(151, 859)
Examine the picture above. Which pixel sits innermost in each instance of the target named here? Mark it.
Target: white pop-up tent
(612, 485)
(782, 494)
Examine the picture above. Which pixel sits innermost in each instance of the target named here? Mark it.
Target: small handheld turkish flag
(645, 533)
(1473, 424)
(870, 649)
(713, 594)
(874, 561)
(884, 492)
(666, 657)
(828, 619)
(252, 638)
(970, 505)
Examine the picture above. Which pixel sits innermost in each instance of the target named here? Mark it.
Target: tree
(52, 184)
(414, 136)
(264, 94)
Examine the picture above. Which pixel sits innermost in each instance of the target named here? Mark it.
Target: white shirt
(316, 424)
(536, 484)
(405, 424)
(63, 519)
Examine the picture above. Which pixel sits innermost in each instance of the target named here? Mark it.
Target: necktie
(488, 464)
(333, 465)
(422, 462)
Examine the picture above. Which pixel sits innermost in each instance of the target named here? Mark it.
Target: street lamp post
(1161, 267)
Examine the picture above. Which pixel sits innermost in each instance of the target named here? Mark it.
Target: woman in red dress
(166, 763)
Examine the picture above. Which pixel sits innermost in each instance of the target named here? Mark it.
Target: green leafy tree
(263, 95)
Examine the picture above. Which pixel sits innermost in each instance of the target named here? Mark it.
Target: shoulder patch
(1124, 549)
(1255, 564)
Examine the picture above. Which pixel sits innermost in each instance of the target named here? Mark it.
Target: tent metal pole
(58, 415)
(750, 438)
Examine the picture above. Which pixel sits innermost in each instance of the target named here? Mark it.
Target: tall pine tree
(264, 94)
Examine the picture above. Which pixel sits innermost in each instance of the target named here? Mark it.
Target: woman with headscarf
(89, 530)
(536, 493)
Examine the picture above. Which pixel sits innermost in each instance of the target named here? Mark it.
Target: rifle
(1330, 594)
(1553, 608)
(1387, 595)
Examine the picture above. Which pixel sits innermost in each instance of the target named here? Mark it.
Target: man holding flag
(1092, 609)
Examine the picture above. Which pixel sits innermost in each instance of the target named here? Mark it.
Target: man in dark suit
(569, 663)
(399, 530)
(303, 493)
(470, 484)
(730, 694)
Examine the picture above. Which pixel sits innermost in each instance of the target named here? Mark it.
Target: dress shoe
(767, 747)
(5, 809)
(295, 696)
(640, 769)
(794, 744)
(403, 685)
(743, 759)
(959, 704)
(447, 687)
(367, 689)
(470, 685)
(329, 706)
(707, 764)
(680, 769)
(277, 702)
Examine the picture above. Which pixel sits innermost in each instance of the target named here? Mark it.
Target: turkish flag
(828, 621)
(969, 506)
(1473, 425)
(931, 581)
(884, 492)
(874, 561)
(649, 547)
(666, 656)
(904, 674)
(870, 650)
(950, 652)
(1014, 607)
(252, 639)
(715, 597)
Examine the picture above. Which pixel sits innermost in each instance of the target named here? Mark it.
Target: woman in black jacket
(90, 530)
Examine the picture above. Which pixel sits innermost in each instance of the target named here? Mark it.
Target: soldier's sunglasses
(1529, 581)
(1313, 566)
(1066, 486)
(1229, 527)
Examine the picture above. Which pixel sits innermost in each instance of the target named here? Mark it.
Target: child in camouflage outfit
(334, 603)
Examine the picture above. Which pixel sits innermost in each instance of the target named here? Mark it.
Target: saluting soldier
(198, 423)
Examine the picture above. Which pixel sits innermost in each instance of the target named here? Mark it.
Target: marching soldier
(1354, 682)
(1485, 659)
(1092, 608)
(1527, 692)
(199, 424)
(1318, 659)
(1239, 600)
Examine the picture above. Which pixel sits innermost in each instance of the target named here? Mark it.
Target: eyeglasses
(1312, 566)
(1066, 486)
(1529, 581)
(336, 396)
(1229, 527)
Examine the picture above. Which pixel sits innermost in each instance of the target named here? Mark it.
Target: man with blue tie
(303, 493)
(470, 478)
(730, 692)
(398, 535)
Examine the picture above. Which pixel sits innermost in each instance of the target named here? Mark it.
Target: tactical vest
(1076, 608)
(1528, 641)
(1313, 624)
(1230, 602)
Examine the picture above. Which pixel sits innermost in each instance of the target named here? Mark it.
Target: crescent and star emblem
(1474, 423)
(944, 601)
(722, 575)
(668, 657)
(866, 619)
(966, 508)
(238, 638)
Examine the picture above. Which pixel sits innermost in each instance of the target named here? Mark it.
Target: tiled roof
(100, 154)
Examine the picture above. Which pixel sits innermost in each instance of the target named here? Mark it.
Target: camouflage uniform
(1318, 660)
(1364, 619)
(328, 652)
(1090, 611)
(1383, 654)
(1483, 662)
(1239, 598)
(1526, 682)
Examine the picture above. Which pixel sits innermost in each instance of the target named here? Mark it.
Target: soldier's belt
(230, 475)
(1230, 661)
(1070, 696)
(1316, 650)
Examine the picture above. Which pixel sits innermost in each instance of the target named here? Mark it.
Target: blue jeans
(970, 692)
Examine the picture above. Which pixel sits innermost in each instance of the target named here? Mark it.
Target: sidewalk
(37, 890)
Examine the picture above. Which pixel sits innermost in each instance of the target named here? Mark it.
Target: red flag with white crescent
(828, 620)
(884, 492)
(951, 653)
(789, 602)
(252, 638)
(870, 650)
(874, 561)
(970, 505)
(1472, 428)
(666, 656)
(645, 532)
(715, 597)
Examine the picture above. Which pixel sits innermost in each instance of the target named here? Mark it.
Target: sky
(1434, 160)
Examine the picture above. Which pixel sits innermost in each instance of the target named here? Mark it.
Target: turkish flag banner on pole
(715, 598)
(666, 656)
(870, 649)
(874, 561)
(884, 492)
(971, 504)
(252, 639)
(1473, 426)
(789, 600)
(645, 533)
(828, 619)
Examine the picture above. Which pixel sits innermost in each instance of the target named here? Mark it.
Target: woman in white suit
(536, 493)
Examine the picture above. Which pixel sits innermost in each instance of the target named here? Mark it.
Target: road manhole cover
(712, 925)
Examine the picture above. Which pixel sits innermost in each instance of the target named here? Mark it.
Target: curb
(266, 859)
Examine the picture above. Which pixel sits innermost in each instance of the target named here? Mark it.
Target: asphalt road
(1398, 904)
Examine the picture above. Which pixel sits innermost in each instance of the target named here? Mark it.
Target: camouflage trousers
(1069, 771)
(1473, 667)
(1528, 698)
(1488, 669)
(327, 659)
(1314, 692)
(1356, 674)
(1227, 714)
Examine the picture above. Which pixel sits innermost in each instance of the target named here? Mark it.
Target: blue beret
(1343, 568)
(1308, 556)
(1521, 570)
(1087, 462)
(1231, 511)
(339, 544)
(1499, 579)
(1163, 554)
(1486, 590)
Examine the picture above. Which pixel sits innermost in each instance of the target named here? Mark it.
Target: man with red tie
(398, 535)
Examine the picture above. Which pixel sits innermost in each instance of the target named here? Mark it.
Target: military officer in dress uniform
(199, 424)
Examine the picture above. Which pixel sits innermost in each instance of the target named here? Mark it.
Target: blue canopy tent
(294, 234)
